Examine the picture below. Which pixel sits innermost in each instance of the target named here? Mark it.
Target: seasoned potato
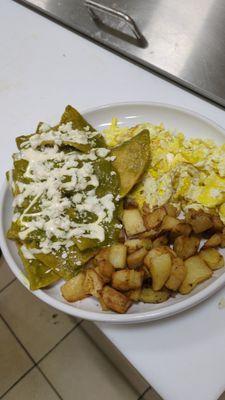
(217, 223)
(115, 300)
(199, 220)
(148, 295)
(160, 241)
(102, 304)
(180, 229)
(222, 244)
(197, 272)
(105, 269)
(93, 283)
(122, 236)
(103, 255)
(153, 220)
(185, 246)
(212, 258)
(133, 222)
(127, 279)
(117, 255)
(129, 203)
(135, 260)
(158, 251)
(177, 274)
(152, 234)
(171, 210)
(169, 223)
(160, 270)
(73, 289)
(136, 244)
(214, 241)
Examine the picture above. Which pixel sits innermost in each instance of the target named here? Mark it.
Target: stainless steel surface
(92, 6)
(184, 38)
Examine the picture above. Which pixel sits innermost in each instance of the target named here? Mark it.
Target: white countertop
(45, 67)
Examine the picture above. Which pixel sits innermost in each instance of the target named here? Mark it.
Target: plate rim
(152, 315)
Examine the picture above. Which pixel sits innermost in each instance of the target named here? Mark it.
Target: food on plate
(126, 215)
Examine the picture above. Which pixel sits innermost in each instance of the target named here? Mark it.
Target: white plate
(129, 114)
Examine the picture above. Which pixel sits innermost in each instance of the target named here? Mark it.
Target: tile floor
(46, 355)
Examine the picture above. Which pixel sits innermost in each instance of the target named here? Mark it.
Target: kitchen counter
(45, 67)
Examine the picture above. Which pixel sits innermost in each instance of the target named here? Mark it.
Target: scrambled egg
(190, 173)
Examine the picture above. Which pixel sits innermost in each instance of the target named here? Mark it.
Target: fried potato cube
(148, 295)
(135, 260)
(217, 223)
(134, 295)
(127, 279)
(136, 244)
(154, 219)
(93, 283)
(197, 272)
(73, 289)
(103, 266)
(160, 241)
(115, 300)
(214, 241)
(222, 244)
(171, 210)
(156, 252)
(180, 229)
(212, 258)
(199, 220)
(169, 223)
(117, 255)
(133, 222)
(185, 246)
(102, 304)
(105, 269)
(177, 274)
(160, 269)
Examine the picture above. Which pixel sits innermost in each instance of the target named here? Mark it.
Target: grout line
(8, 284)
(35, 364)
(56, 345)
(49, 382)
(146, 390)
(17, 381)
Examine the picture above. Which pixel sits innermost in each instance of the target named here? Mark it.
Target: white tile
(78, 370)
(32, 386)
(14, 362)
(37, 325)
(6, 275)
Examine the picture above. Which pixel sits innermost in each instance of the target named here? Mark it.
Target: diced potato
(127, 279)
(129, 203)
(134, 295)
(105, 269)
(93, 283)
(115, 300)
(197, 272)
(135, 260)
(103, 255)
(214, 241)
(73, 289)
(217, 223)
(199, 220)
(185, 246)
(160, 241)
(160, 270)
(122, 236)
(148, 295)
(136, 244)
(171, 210)
(117, 255)
(103, 305)
(180, 229)
(158, 251)
(222, 244)
(133, 222)
(152, 234)
(212, 258)
(177, 274)
(154, 219)
(169, 223)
